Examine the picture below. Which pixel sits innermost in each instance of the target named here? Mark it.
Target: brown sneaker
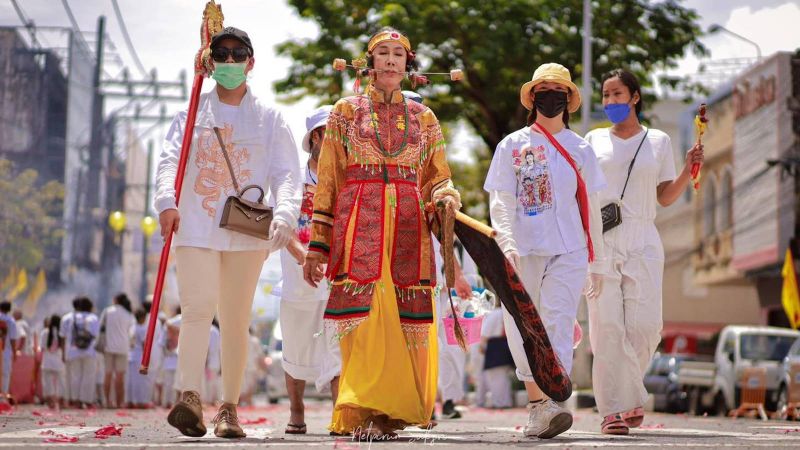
(187, 415)
(226, 423)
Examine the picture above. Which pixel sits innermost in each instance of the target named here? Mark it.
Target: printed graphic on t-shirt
(214, 177)
(535, 193)
(306, 211)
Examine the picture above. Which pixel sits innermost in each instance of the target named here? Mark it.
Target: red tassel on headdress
(357, 85)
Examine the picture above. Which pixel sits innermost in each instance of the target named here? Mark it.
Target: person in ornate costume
(382, 162)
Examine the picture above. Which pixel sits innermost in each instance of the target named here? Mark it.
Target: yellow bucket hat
(555, 73)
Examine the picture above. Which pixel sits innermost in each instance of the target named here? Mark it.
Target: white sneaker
(547, 420)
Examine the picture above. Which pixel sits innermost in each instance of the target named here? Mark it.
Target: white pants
(498, 385)
(223, 283)
(82, 379)
(555, 284)
(8, 366)
(140, 387)
(452, 360)
(310, 352)
(625, 321)
(168, 389)
(52, 383)
(210, 391)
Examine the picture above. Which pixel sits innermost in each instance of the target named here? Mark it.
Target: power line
(127, 37)
(28, 23)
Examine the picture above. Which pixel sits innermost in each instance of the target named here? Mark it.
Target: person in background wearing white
(497, 363)
(305, 350)
(10, 346)
(255, 369)
(117, 322)
(79, 329)
(625, 318)
(452, 360)
(543, 184)
(213, 366)
(53, 370)
(25, 336)
(140, 387)
(169, 362)
(217, 268)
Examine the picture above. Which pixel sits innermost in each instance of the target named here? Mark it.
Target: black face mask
(550, 103)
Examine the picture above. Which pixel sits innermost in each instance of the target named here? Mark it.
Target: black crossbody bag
(612, 214)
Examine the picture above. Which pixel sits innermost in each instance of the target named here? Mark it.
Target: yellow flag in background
(9, 280)
(21, 286)
(790, 296)
(36, 292)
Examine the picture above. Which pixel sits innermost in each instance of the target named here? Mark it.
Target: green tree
(30, 220)
(497, 43)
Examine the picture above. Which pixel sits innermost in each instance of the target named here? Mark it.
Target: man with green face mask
(218, 269)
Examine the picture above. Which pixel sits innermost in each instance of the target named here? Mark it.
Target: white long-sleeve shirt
(262, 152)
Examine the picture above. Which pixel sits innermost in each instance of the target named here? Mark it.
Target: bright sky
(165, 33)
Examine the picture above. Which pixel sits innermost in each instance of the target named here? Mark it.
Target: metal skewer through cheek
(341, 65)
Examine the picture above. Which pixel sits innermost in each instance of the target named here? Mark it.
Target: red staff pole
(212, 22)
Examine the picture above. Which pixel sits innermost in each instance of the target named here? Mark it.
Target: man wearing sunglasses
(218, 269)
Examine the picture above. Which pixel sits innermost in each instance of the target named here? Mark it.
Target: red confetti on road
(108, 431)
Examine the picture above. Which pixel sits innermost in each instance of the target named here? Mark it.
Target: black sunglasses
(239, 54)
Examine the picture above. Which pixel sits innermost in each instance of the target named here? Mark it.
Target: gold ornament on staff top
(212, 24)
(700, 125)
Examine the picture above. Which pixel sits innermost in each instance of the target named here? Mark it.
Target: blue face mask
(617, 112)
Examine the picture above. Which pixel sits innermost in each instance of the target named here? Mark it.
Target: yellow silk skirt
(385, 381)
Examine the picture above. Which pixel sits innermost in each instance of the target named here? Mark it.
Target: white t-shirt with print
(526, 164)
(653, 165)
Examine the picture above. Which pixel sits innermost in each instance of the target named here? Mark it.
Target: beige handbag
(239, 214)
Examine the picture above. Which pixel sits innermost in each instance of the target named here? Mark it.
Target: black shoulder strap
(630, 167)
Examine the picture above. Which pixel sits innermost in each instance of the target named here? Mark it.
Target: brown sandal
(613, 424)
(634, 417)
(292, 428)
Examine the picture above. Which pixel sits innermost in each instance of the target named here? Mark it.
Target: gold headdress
(389, 35)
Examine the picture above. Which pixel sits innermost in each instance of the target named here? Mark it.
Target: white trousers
(452, 360)
(140, 387)
(222, 283)
(168, 388)
(303, 344)
(625, 321)
(555, 284)
(498, 386)
(52, 383)
(82, 379)
(8, 366)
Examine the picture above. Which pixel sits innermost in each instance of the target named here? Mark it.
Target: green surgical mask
(229, 75)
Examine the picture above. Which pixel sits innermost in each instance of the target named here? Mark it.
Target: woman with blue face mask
(625, 317)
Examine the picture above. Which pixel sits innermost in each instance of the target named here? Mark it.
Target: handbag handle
(228, 161)
(252, 186)
(630, 167)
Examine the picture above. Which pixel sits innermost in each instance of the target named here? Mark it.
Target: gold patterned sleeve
(435, 182)
(331, 173)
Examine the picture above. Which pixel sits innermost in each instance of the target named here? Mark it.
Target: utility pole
(143, 288)
(96, 140)
(586, 76)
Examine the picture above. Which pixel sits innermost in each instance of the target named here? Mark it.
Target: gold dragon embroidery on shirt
(213, 177)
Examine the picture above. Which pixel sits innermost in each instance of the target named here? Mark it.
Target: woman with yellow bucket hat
(543, 184)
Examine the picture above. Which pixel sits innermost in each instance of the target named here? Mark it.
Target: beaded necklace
(374, 120)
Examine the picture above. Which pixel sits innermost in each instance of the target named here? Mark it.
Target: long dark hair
(630, 81)
(123, 300)
(52, 329)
